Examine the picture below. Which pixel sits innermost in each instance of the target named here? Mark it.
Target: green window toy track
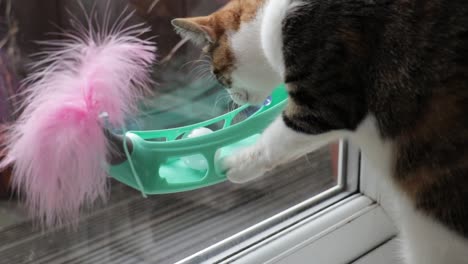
(152, 163)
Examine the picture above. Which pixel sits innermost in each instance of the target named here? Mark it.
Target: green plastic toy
(155, 164)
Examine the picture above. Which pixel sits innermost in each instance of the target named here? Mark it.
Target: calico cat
(391, 75)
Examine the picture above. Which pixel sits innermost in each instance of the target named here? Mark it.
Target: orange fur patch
(236, 12)
(229, 19)
(222, 22)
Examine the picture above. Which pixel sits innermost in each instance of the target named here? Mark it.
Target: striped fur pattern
(390, 74)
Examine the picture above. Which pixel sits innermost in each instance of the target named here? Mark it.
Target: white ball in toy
(198, 161)
(200, 132)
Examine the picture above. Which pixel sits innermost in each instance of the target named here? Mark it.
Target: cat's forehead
(237, 12)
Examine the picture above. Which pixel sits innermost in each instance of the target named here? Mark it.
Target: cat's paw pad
(246, 165)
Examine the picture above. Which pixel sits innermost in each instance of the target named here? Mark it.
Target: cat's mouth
(239, 97)
(242, 97)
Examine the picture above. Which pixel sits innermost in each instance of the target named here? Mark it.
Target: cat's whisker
(203, 74)
(222, 98)
(193, 62)
(152, 6)
(201, 66)
(200, 63)
(203, 60)
(212, 78)
(232, 106)
(195, 72)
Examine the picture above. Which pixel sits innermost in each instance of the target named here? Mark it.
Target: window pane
(168, 228)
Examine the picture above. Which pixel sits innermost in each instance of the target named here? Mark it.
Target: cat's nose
(223, 80)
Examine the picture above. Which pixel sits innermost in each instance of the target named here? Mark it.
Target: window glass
(163, 228)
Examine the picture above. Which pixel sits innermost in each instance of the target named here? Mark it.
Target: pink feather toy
(58, 146)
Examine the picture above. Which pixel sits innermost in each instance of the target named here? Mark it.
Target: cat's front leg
(277, 145)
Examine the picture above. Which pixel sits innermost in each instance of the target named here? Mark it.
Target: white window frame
(337, 230)
(384, 254)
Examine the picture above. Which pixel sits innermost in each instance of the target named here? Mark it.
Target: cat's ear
(196, 29)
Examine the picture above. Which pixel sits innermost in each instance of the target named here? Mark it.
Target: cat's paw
(246, 165)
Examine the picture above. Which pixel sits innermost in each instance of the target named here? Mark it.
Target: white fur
(423, 240)
(375, 149)
(274, 13)
(277, 145)
(260, 67)
(254, 77)
(427, 242)
(258, 49)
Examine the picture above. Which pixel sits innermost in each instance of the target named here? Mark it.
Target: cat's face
(231, 39)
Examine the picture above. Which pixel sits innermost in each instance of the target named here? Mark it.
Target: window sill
(386, 254)
(353, 227)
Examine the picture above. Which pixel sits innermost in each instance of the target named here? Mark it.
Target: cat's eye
(318, 209)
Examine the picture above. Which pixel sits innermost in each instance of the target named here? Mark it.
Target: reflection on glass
(166, 228)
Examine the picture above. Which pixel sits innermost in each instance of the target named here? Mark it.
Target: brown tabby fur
(404, 62)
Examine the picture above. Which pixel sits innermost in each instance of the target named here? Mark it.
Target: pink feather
(58, 147)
